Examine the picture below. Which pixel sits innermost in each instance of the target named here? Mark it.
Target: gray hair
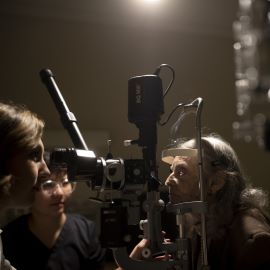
(236, 193)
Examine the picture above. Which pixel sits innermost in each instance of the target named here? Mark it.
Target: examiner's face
(25, 169)
(183, 182)
(52, 194)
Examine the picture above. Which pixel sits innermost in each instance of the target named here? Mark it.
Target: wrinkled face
(183, 182)
(25, 169)
(52, 194)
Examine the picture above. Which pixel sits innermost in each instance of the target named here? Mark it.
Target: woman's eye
(35, 155)
(180, 171)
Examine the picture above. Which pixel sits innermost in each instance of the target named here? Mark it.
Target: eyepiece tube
(81, 164)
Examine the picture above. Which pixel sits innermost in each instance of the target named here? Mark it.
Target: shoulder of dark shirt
(16, 224)
(250, 238)
(82, 224)
(250, 222)
(78, 218)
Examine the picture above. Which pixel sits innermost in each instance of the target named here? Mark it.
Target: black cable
(172, 80)
(170, 115)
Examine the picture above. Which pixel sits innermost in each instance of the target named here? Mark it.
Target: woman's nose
(44, 168)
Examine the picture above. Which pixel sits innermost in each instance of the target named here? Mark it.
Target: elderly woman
(238, 229)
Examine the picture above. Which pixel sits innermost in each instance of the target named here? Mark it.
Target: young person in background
(48, 238)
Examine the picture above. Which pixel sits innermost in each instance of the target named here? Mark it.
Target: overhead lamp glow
(151, 1)
(147, 3)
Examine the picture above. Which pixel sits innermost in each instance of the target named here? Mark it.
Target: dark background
(94, 46)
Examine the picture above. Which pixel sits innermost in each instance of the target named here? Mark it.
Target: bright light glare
(151, 1)
(152, 6)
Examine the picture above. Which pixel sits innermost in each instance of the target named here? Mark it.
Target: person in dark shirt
(48, 238)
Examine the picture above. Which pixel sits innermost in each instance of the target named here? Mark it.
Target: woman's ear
(217, 183)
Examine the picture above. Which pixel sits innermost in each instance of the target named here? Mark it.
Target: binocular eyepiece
(100, 173)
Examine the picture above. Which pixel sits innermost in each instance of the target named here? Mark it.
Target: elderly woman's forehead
(185, 159)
